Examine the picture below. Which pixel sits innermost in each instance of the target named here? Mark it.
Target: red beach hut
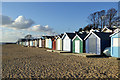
(54, 43)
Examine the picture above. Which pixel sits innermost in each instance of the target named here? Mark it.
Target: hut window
(116, 42)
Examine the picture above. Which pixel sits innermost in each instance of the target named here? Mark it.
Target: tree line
(100, 19)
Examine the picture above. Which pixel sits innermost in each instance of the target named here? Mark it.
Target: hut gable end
(77, 37)
(91, 33)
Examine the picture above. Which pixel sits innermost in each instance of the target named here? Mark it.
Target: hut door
(77, 46)
(66, 44)
(58, 45)
(40, 45)
(92, 45)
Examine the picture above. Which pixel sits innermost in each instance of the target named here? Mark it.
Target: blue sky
(59, 16)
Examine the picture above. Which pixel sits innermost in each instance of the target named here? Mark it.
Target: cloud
(14, 29)
(44, 29)
(19, 23)
(9, 35)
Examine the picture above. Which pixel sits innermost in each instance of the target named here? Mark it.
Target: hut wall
(93, 44)
(43, 43)
(59, 44)
(54, 44)
(46, 43)
(67, 44)
(35, 43)
(79, 47)
(31, 43)
(26, 43)
(105, 44)
(115, 45)
(40, 43)
(50, 43)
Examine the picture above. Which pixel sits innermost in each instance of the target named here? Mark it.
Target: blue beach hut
(115, 44)
(50, 43)
(31, 42)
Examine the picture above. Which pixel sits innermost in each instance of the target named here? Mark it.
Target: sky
(46, 18)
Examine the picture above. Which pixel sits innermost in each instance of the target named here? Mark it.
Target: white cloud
(45, 29)
(19, 23)
(9, 35)
(25, 24)
(14, 29)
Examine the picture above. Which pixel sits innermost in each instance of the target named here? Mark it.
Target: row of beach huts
(93, 42)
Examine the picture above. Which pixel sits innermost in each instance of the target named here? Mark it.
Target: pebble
(38, 63)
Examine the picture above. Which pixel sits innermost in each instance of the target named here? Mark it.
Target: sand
(27, 62)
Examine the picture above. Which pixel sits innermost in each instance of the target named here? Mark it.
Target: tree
(116, 21)
(28, 36)
(95, 18)
(102, 18)
(110, 16)
(92, 17)
(88, 27)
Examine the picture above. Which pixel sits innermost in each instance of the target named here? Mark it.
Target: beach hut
(96, 42)
(40, 42)
(46, 41)
(36, 42)
(115, 44)
(31, 42)
(23, 42)
(20, 43)
(54, 43)
(43, 41)
(108, 29)
(50, 42)
(67, 41)
(79, 43)
(28, 42)
(59, 42)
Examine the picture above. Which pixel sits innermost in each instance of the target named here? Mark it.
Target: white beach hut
(67, 41)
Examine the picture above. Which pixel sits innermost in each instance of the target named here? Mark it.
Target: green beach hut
(79, 43)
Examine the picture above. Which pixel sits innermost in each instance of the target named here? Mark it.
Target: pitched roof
(111, 28)
(115, 33)
(71, 35)
(49, 37)
(22, 39)
(82, 36)
(61, 35)
(102, 35)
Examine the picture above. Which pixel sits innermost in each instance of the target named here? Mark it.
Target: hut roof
(114, 33)
(101, 35)
(49, 37)
(110, 28)
(71, 35)
(61, 35)
(23, 39)
(82, 36)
